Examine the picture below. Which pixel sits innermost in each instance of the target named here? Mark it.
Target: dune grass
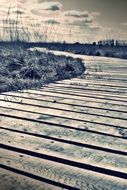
(24, 69)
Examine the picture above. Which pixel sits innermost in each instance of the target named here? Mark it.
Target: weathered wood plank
(56, 105)
(86, 137)
(89, 88)
(68, 101)
(84, 117)
(97, 129)
(10, 180)
(56, 131)
(78, 97)
(82, 87)
(119, 132)
(100, 94)
(66, 151)
(113, 95)
(69, 175)
(78, 81)
(115, 75)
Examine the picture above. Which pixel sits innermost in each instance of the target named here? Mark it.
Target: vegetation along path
(71, 134)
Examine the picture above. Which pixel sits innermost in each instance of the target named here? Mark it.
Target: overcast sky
(113, 12)
(69, 20)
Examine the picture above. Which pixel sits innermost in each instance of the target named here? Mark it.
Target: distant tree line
(112, 42)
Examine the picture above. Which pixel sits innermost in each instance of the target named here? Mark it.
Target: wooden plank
(86, 138)
(88, 158)
(110, 69)
(13, 180)
(77, 178)
(82, 79)
(91, 82)
(57, 131)
(119, 132)
(113, 95)
(118, 82)
(86, 127)
(89, 88)
(78, 97)
(68, 101)
(65, 107)
(84, 117)
(61, 122)
(119, 96)
(80, 84)
(107, 78)
(109, 74)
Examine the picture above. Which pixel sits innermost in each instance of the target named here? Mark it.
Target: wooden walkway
(67, 135)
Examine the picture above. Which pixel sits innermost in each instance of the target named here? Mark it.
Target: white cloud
(124, 24)
(77, 17)
(77, 14)
(85, 20)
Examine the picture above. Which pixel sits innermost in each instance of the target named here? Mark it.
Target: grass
(24, 69)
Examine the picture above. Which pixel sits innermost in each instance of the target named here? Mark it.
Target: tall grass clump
(26, 69)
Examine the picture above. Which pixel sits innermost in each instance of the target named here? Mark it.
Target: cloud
(46, 9)
(76, 14)
(85, 20)
(81, 23)
(42, 7)
(51, 6)
(124, 24)
(82, 19)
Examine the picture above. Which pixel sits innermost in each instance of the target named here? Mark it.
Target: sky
(64, 20)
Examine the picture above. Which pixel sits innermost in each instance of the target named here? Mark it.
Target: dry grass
(23, 69)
